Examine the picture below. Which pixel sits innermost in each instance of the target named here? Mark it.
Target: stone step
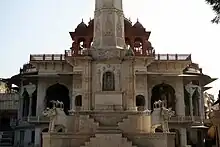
(108, 129)
(108, 140)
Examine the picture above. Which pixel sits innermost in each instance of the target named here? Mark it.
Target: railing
(180, 119)
(187, 119)
(37, 119)
(173, 57)
(141, 52)
(9, 101)
(47, 57)
(82, 52)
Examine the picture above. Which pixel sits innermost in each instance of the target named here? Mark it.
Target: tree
(215, 4)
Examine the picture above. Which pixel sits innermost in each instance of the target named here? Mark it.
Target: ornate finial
(82, 20)
(137, 20)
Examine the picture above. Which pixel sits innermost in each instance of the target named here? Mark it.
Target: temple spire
(108, 25)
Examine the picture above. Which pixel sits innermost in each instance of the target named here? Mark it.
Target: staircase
(6, 139)
(108, 140)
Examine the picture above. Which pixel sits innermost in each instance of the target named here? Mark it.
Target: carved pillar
(21, 101)
(130, 84)
(190, 89)
(146, 93)
(200, 103)
(117, 81)
(86, 85)
(98, 80)
(180, 103)
(41, 91)
(30, 89)
(109, 25)
(183, 137)
(73, 100)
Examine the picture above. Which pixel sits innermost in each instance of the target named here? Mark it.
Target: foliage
(215, 4)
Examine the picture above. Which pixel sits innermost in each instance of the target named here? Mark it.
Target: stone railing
(173, 57)
(47, 57)
(37, 119)
(109, 107)
(180, 119)
(83, 52)
(9, 101)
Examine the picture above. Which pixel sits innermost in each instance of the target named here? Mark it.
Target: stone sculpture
(52, 113)
(166, 114)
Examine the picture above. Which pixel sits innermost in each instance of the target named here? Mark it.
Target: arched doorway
(26, 103)
(164, 92)
(140, 102)
(58, 92)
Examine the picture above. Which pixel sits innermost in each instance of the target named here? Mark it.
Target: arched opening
(34, 103)
(58, 92)
(164, 92)
(26, 102)
(138, 46)
(78, 101)
(81, 45)
(140, 102)
(108, 81)
(177, 137)
(187, 103)
(195, 100)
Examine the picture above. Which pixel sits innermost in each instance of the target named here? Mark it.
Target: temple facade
(111, 89)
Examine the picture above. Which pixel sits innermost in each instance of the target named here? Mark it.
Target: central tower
(108, 25)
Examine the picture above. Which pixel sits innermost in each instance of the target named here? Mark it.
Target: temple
(111, 89)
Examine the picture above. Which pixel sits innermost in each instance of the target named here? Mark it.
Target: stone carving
(162, 116)
(108, 25)
(166, 114)
(190, 88)
(107, 54)
(119, 27)
(97, 28)
(51, 113)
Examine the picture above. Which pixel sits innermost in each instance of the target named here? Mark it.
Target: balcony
(173, 57)
(47, 57)
(9, 101)
(180, 119)
(186, 119)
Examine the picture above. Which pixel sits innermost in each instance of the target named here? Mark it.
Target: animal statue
(166, 114)
(56, 115)
(161, 116)
(51, 113)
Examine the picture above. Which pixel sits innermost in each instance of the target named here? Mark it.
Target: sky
(43, 26)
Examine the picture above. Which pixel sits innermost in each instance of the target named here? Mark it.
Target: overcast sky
(42, 26)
